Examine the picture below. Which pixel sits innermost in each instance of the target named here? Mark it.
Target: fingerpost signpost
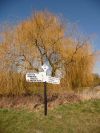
(42, 77)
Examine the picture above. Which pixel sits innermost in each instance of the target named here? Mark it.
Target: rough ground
(35, 102)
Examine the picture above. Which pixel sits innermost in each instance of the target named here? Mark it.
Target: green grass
(81, 117)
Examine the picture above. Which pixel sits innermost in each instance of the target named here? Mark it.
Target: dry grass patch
(90, 93)
(35, 102)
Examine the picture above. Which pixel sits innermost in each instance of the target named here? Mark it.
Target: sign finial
(45, 67)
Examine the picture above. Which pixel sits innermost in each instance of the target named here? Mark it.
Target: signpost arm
(45, 98)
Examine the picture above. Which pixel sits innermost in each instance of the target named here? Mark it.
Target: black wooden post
(45, 98)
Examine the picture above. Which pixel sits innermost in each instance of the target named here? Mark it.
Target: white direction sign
(42, 77)
(52, 80)
(33, 77)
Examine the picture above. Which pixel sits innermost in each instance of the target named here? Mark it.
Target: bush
(96, 79)
(12, 83)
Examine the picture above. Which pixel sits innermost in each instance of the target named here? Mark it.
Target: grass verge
(83, 117)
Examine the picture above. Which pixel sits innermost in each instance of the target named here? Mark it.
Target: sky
(84, 13)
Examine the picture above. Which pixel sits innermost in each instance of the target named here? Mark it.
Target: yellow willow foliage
(43, 27)
(79, 73)
(67, 48)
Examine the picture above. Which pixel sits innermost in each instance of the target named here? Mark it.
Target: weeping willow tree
(43, 38)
